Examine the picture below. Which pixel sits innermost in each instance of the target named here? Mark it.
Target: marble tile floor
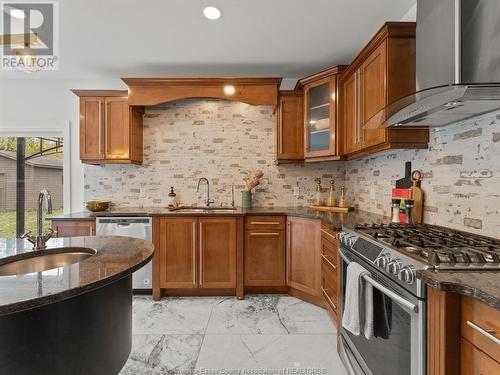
(263, 334)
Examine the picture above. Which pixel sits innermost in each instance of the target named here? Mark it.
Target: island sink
(43, 260)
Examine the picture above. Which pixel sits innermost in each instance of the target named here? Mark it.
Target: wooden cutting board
(418, 197)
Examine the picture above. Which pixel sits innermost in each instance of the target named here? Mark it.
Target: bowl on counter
(97, 205)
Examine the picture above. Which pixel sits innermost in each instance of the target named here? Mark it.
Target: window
(28, 165)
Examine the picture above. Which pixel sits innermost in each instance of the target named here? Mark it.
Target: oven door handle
(389, 293)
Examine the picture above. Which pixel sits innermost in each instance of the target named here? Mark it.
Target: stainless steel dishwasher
(137, 227)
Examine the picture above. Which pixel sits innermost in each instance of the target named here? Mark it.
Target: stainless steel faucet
(39, 241)
(208, 202)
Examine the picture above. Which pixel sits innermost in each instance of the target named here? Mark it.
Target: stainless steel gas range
(392, 253)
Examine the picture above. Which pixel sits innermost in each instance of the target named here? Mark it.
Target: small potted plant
(252, 180)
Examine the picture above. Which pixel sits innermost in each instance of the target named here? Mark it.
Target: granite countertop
(484, 286)
(116, 257)
(335, 220)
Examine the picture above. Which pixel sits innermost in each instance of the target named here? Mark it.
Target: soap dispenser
(172, 198)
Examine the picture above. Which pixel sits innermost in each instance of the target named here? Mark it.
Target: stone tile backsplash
(220, 140)
(216, 139)
(461, 177)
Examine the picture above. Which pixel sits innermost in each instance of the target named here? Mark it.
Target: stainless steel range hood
(458, 65)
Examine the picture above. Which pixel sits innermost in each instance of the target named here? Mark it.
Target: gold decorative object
(97, 205)
(343, 201)
(332, 200)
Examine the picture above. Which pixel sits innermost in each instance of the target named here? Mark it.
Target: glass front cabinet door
(320, 118)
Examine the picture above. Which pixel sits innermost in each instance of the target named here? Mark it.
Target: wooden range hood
(153, 91)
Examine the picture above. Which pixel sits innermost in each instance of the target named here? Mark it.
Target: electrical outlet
(296, 191)
(142, 193)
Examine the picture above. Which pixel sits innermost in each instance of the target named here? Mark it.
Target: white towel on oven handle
(358, 305)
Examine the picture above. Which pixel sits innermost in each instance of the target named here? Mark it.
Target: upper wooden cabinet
(382, 73)
(321, 120)
(110, 129)
(290, 126)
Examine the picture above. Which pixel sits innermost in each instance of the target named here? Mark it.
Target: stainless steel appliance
(392, 253)
(457, 70)
(401, 348)
(137, 227)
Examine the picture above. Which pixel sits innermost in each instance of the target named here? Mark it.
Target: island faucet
(39, 241)
(208, 202)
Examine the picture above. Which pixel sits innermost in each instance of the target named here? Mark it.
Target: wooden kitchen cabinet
(176, 245)
(330, 274)
(304, 258)
(290, 126)
(217, 249)
(265, 251)
(321, 124)
(110, 129)
(382, 73)
(73, 228)
(194, 253)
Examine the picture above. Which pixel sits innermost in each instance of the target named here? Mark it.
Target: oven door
(401, 342)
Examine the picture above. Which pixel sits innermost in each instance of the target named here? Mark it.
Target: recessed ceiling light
(212, 13)
(17, 13)
(229, 90)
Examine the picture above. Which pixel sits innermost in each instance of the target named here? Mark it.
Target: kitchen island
(75, 317)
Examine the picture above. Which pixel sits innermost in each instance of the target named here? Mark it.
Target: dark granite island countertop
(116, 258)
(484, 286)
(335, 220)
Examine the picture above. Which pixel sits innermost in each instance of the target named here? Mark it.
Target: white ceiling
(287, 38)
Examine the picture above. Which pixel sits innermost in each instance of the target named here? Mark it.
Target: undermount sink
(202, 209)
(43, 260)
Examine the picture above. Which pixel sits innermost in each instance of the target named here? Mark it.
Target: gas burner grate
(436, 245)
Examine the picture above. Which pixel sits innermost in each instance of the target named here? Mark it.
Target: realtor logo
(29, 39)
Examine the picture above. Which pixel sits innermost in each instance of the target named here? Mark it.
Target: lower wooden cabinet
(304, 255)
(330, 274)
(217, 252)
(73, 228)
(475, 362)
(264, 251)
(194, 253)
(175, 242)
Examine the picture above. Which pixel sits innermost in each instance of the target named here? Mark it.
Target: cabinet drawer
(329, 285)
(481, 326)
(329, 252)
(475, 362)
(265, 222)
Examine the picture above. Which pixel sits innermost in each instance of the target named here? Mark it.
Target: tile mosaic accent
(461, 177)
(216, 139)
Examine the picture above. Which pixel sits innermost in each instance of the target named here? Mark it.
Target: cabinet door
(304, 255)
(91, 128)
(350, 114)
(265, 257)
(320, 116)
(290, 126)
(74, 228)
(117, 128)
(373, 95)
(217, 252)
(175, 255)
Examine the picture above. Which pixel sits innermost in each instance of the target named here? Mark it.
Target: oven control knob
(394, 266)
(382, 260)
(351, 240)
(407, 274)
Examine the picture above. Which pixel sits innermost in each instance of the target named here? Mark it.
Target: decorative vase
(246, 199)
